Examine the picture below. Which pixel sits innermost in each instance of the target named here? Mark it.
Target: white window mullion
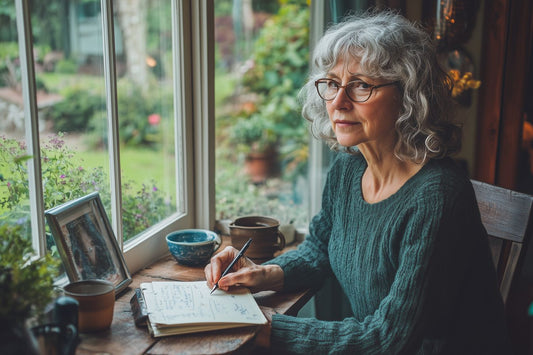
(31, 125)
(316, 147)
(203, 99)
(181, 62)
(151, 246)
(112, 118)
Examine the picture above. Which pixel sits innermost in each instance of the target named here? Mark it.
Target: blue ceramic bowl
(193, 247)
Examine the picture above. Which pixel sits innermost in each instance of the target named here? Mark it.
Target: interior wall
(466, 115)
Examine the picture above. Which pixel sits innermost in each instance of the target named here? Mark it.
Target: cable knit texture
(415, 267)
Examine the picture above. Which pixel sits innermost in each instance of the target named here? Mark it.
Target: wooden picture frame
(86, 242)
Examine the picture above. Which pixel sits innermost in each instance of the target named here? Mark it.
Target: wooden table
(125, 338)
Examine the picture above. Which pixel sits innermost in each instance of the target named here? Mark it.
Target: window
(108, 103)
(262, 142)
(132, 90)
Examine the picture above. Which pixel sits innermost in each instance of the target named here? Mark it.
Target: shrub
(9, 56)
(64, 180)
(74, 112)
(66, 66)
(141, 117)
(143, 208)
(279, 69)
(235, 198)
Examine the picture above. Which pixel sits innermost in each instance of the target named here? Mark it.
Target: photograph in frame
(86, 242)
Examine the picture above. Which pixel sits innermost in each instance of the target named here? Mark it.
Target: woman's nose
(341, 101)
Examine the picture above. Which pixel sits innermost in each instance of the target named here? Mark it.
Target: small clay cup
(96, 300)
(265, 234)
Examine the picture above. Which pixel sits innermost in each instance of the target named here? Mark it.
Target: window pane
(70, 100)
(261, 63)
(146, 113)
(14, 197)
(72, 121)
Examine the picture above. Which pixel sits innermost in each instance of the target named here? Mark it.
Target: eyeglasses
(357, 90)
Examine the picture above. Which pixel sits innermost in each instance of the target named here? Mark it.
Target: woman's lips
(343, 123)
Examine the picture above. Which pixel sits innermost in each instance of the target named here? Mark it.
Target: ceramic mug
(265, 234)
(96, 300)
(193, 247)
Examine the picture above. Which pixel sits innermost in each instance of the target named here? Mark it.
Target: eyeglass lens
(356, 90)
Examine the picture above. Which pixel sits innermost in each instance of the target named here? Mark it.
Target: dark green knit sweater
(415, 267)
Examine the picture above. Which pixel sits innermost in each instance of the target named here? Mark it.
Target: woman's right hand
(244, 273)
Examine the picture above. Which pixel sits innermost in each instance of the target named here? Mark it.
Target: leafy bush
(143, 208)
(9, 52)
(65, 180)
(75, 111)
(281, 51)
(66, 66)
(141, 117)
(9, 56)
(235, 198)
(279, 69)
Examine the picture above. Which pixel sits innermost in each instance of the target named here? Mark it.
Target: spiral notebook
(178, 307)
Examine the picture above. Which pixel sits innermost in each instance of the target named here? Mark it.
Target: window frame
(318, 151)
(192, 31)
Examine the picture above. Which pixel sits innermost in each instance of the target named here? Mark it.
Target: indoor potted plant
(27, 285)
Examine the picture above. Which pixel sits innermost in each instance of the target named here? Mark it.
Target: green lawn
(137, 165)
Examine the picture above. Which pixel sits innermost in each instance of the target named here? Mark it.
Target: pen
(241, 253)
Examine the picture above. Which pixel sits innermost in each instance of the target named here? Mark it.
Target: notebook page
(175, 302)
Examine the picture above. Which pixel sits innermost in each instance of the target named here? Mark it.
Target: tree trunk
(132, 22)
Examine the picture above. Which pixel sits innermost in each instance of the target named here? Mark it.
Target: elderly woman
(399, 226)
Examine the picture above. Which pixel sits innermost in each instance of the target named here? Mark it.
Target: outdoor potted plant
(256, 138)
(27, 287)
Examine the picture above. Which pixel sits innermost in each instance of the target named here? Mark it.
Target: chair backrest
(508, 219)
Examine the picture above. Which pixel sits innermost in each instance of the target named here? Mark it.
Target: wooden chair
(508, 218)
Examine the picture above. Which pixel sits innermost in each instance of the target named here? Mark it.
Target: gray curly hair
(388, 46)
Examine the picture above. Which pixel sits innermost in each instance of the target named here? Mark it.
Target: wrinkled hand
(244, 273)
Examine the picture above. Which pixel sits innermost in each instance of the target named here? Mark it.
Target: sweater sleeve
(396, 324)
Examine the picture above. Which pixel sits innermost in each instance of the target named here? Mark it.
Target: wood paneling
(491, 91)
(506, 49)
(515, 76)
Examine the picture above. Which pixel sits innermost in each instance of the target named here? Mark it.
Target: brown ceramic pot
(96, 300)
(265, 234)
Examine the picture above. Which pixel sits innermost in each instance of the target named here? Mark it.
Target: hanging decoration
(453, 25)
(462, 83)
(454, 22)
